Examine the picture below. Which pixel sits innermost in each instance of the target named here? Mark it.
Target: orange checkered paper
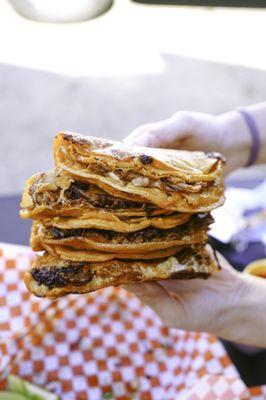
(104, 345)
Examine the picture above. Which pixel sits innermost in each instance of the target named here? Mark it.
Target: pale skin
(229, 304)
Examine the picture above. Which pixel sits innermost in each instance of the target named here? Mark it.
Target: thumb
(157, 134)
(172, 132)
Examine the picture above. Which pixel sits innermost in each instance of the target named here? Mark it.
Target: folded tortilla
(142, 241)
(117, 224)
(72, 254)
(53, 277)
(56, 193)
(173, 180)
(57, 200)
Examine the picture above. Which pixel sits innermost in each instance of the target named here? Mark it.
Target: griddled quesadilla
(58, 200)
(53, 277)
(55, 193)
(171, 179)
(145, 240)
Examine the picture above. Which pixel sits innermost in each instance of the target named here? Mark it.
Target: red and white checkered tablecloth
(105, 345)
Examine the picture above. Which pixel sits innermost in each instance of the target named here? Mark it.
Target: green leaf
(5, 395)
(28, 390)
(107, 396)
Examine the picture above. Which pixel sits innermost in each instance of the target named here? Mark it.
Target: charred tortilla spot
(83, 140)
(52, 277)
(70, 137)
(145, 160)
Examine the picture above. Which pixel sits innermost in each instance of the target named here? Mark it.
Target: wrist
(236, 140)
(258, 112)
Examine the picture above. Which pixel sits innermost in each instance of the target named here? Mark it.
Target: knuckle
(186, 115)
(188, 119)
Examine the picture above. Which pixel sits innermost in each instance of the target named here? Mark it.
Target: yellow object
(257, 268)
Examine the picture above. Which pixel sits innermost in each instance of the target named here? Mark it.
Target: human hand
(228, 304)
(226, 133)
(191, 304)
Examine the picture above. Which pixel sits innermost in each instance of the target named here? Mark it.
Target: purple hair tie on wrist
(255, 136)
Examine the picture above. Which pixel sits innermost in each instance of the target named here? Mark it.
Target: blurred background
(133, 64)
(103, 67)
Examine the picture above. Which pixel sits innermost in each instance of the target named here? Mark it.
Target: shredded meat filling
(52, 277)
(196, 224)
(79, 274)
(166, 184)
(47, 198)
(100, 200)
(87, 194)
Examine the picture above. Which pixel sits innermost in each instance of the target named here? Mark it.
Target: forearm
(245, 320)
(236, 143)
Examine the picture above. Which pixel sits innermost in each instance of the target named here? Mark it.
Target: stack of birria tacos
(109, 214)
